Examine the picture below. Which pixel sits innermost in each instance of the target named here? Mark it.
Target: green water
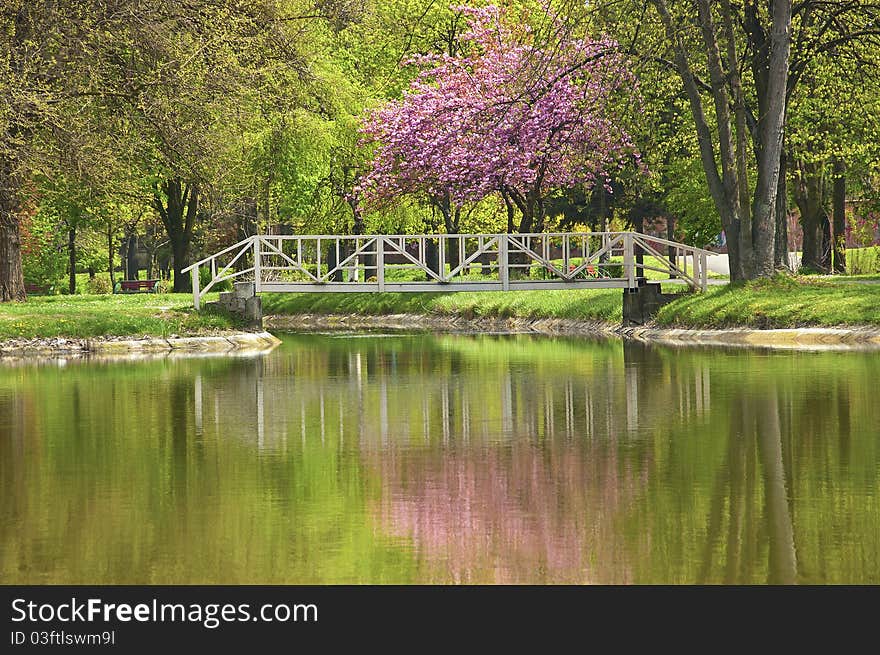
(438, 459)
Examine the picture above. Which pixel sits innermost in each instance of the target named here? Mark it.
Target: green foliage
(205, 278)
(44, 258)
(98, 284)
(687, 197)
(863, 261)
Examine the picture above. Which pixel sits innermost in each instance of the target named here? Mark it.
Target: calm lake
(443, 459)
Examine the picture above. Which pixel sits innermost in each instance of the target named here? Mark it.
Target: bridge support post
(195, 285)
(642, 302)
(380, 262)
(704, 271)
(258, 273)
(503, 269)
(243, 302)
(629, 260)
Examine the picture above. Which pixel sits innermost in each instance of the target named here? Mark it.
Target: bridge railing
(449, 262)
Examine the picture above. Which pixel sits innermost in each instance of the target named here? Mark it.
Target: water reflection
(443, 459)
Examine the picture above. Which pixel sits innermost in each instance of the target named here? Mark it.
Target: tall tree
(178, 205)
(749, 220)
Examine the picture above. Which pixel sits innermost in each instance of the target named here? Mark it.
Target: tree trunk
(110, 258)
(603, 225)
(71, 260)
(247, 226)
(825, 253)
(178, 214)
(11, 276)
(781, 241)
(750, 236)
(131, 248)
(670, 236)
(839, 214)
(639, 226)
(451, 222)
(722, 187)
(812, 259)
(771, 125)
(508, 204)
(811, 199)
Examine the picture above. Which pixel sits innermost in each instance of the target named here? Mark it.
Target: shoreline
(246, 343)
(806, 338)
(231, 343)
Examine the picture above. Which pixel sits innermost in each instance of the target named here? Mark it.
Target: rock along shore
(238, 342)
(809, 338)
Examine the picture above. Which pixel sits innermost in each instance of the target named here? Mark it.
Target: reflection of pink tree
(506, 116)
(511, 516)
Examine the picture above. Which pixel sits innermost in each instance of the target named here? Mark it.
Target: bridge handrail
(674, 244)
(206, 260)
(500, 247)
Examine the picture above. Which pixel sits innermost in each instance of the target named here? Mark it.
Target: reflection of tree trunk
(179, 413)
(731, 479)
(845, 423)
(713, 529)
(736, 454)
(783, 559)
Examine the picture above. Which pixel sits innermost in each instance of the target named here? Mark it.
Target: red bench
(138, 286)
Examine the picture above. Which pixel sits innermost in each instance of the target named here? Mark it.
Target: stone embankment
(238, 342)
(809, 338)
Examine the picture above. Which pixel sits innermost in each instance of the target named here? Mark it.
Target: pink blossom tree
(506, 117)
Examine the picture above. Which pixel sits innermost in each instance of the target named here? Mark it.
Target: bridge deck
(450, 262)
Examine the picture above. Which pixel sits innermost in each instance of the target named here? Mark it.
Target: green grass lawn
(113, 315)
(595, 304)
(778, 303)
(782, 302)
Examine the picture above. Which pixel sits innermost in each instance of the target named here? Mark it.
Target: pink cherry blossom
(506, 116)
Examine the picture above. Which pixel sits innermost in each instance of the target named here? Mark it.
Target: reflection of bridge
(450, 262)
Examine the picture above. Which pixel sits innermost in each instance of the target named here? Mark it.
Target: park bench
(138, 286)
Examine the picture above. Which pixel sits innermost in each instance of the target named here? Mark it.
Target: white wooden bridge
(449, 262)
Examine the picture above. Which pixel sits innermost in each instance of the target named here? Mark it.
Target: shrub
(98, 284)
(612, 270)
(205, 278)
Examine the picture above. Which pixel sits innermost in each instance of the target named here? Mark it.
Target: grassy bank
(113, 315)
(778, 303)
(584, 304)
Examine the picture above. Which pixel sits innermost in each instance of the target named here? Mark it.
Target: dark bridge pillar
(641, 304)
